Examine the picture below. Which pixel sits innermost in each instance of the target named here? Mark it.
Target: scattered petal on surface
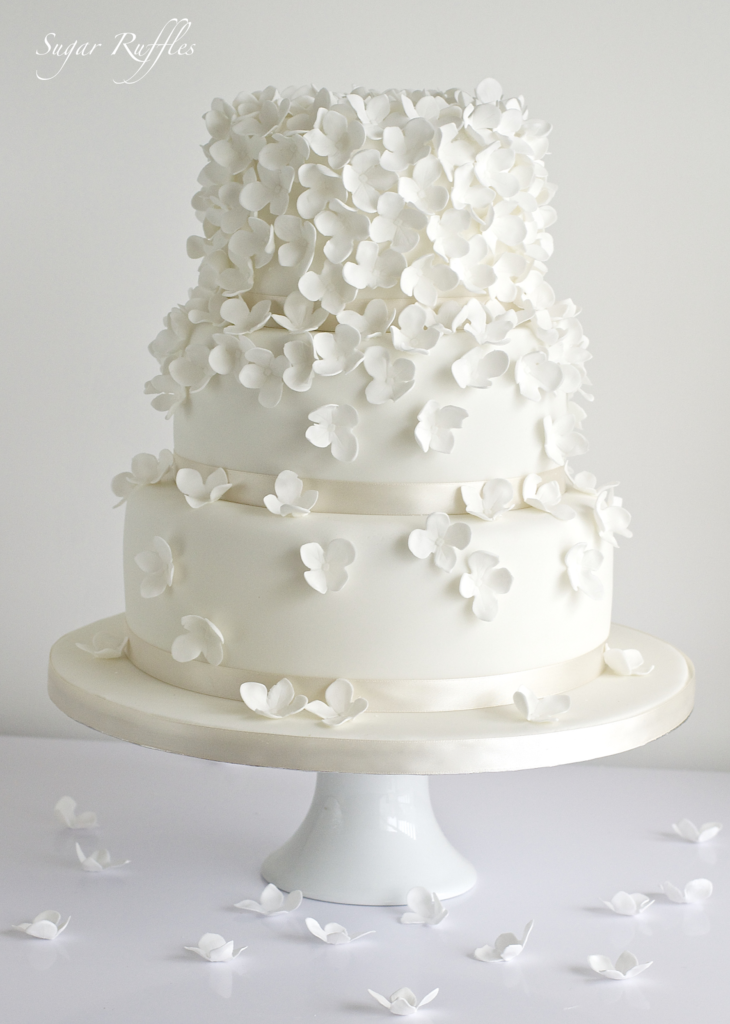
(688, 830)
(273, 901)
(628, 903)
(425, 907)
(333, 934)
(340, 704)
(403, 1002)
(99, 860)
(625, 663)
(626, 966)
(106, 645)
(506, 947)
(44, 925)
(696, 891)
(537, 709)
(215, 949)
(65, 811)
(278, 702)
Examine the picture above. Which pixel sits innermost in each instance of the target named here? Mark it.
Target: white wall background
(97, 183)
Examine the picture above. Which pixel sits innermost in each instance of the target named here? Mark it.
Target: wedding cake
(375, 398)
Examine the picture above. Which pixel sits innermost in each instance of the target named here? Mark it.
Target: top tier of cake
(371, 294)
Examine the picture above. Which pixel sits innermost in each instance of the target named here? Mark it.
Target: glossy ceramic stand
(368, 839)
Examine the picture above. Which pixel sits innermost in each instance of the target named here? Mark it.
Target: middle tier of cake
(402, 630)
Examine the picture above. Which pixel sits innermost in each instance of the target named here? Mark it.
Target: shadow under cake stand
(370, 834)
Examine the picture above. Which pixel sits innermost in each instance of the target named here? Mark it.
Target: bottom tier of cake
(400, 628)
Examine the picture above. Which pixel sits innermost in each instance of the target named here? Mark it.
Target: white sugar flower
(506, 947)
(65, 811)
(563, 440)
(290, 498)
(105, 646)
(610, 515)
(255, 242)
(321, 185)
(329, 288)
(327, 568)
(470, 195)
(537, 709)
(421, 188)
(365, 179)
(335, 137)
(99, 860)
(243, 320)
(488, 501)
(486, 328)
(215, 949)
(338, 352)
(300, 352)
(403, 1003)
(264, 372)
(192, 369)
(398, 222)
(371, 112)
(340, 704)
(484, 583)
(477, 369)
(278, 702)
(473, 270)
(441, 538)
(300, 316)
(201, 637)
(376, 318)
(628, 903)
(493, 165)
(625, 663)
(273, 901)
(271, 190)
(227, 355)
(696, 891)
(452, 151)
(583, 481)
(446, 233)
(406, 146)
(333, 425)
(582, 563)
(299, 238)
(43, 926)
(199, 492)
(333, 934)
(390, 380)
(286, 150)
(424, 907)
(535, 371)
(427, 279)
(374, 269)
(146, 470)
(545, 497)
(158, 564)
(436, 425)
(689, 831)
(344, 226)
(626, 966)
(415, 331)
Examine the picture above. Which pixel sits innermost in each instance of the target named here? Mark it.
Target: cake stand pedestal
(370, 834)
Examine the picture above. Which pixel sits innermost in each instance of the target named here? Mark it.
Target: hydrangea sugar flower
(625, 663)
(441, 538)
(477, 369)
(488, 501)
(157, 563)
(563, 440)
(44, 925)
(626, 966)
(333, 934)
(333, 426)
(329, 288)
(201, 638)
(390, 380)
(689, 831)
(299, 375)
(340, 704)
(484, 583)
(264, 372)
(279, 701)
(404, 1002)
(534, 372)
(540, 709)
(105, 645)
(696, 891)
(146, 470)
(374, 269)
(273, 901)
(611, 517)
(338, 352)
(436, 425)
(582, 564)
(416, 331)
(546, 497)
(628, 903)
(290, 498)
(300, 315)
(426, 280)
(99, 860)
(506, 947)
(327, 568)
(199, 492)
(344, 227)
(65, 811)
(424, 907)
(215, 949)
(376, 318)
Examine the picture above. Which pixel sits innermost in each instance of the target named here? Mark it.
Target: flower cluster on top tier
(430, 205)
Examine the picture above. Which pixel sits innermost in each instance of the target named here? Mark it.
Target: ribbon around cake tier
(356, 497)
(383, 695)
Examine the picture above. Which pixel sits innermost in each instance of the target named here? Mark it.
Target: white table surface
(547, 844)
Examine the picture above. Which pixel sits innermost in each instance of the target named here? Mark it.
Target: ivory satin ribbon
(355, 497)
(383, 695)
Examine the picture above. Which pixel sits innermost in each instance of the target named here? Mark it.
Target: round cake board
(345, 851)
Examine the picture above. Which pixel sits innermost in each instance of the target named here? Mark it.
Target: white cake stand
(370, 834)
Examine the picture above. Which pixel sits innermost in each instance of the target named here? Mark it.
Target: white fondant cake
(373, 391)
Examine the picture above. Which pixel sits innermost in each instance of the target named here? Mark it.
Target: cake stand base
(368, 839)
